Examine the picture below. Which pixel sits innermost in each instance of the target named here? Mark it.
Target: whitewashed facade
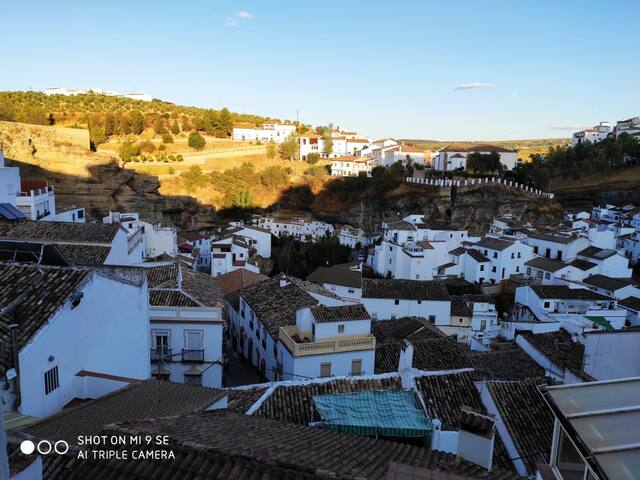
(270, 132)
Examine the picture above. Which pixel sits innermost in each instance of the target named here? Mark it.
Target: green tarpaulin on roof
(392, 414)
(603, 322)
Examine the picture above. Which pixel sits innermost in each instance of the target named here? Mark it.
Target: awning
(603, 322)
(387, 413)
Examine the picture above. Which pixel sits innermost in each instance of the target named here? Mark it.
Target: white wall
(100, 335)
(9, 184)
(384, 309)
(308, 366)
(612, 355)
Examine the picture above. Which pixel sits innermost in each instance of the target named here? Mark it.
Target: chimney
(476, 437)
(406, 356)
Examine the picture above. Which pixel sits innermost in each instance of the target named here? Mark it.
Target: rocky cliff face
(471, 208)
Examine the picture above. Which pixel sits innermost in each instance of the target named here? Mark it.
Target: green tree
(136, 120)
(196, 141)
(289, 149)
(167, 138)
(225, 127)
(175, 128)
(328, 145)
(160, 126)
(97, 133)
(128, 151)
(243, 199)
(313, 158)
(272, 150)
(193, 179)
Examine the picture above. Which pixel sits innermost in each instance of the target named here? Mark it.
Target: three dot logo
(44, 447)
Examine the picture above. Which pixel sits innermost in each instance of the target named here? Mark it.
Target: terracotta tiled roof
(36, 293)
(394, 331)
(608, 283)
(558, 348)
(546, 264)
(404, 289)
(151, 398)
(507, 363)
(527, 417)
(444, 353)
(632, 303)
(60, 232)
(170, 298)
(312, 451)
(240, 400)
(294, 403)
(190, 236)
(387, 357)
(79, 254)
(234, 280)
(563, 292)
(477, 256)
(480, 147)
(204, 289)
(340, 313)
(336, 276)
(596, 253)
(493, 243)
(274, 305)
(583, 264)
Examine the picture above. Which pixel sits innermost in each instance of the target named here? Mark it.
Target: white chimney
(476, 437)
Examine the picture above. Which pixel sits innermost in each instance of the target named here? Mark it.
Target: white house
(351, 237)
(631, 246)
(197, 246)
(405, 154)
(593, 135)
(231, 252)
(389, 299)
(77, 333)
(555, 245)
(473, 318)
(81, 243)
(575, 309)
(9, 182)
(264, 307)
(185, 312)
(327, 341)
(613, 287)
(325, 147)
(345, 280)
(351, 166)
(505, 258)
(632, 306)
(259, 238)
(454, 156)
(159, 239)
(301, 229)
(270, 132)
(630, 126)
(609, 262)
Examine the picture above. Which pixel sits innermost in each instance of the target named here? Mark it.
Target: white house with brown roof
(231, 252)
(505, 258)
(405, 154)
(556, 245)
(270, 132)
(198, 246)
(302, 229)
(327, 341)
(345, 280)
(258, 237)
(454, 156)
(351, 166)
(594, 135)
(186, 323)
(76, 333)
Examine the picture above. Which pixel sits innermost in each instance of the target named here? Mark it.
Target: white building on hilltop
(301, 229)
(351, 166)
(593, 135)
(630, 126)
(270, 132)
(454, 156)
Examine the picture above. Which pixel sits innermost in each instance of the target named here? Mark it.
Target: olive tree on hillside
(196, 141)
(289, 149)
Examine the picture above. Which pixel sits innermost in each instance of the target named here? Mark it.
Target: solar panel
(8, 211)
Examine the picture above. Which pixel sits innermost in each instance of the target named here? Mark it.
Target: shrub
(128, 151)
(162, 147)
(147, 146)
(196, 141)
(313, 158)
(180, 158)
(167, 138)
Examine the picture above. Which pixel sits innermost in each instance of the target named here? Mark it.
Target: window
(396, 302)
(495, 254)
(482, 268)
(547, 275)
(517, 269)
(528, 270)
(51, 380)
(193, 339)
(193, 379)
(535, 250)
(161, 375)
(519, 254)
(419, 302)
(356, 367)
(432, 319)
(340, 328)
(547, 304)
(325, 369)
(351, 290)
(493, 269)
(513, 255)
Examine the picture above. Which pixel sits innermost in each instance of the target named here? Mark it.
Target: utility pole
(297, 115)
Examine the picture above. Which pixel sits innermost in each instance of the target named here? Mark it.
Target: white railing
(343, 344)
(448, 183)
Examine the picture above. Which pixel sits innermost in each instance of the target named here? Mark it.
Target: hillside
(525, 148)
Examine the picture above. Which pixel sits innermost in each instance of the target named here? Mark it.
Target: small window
(495, 254)
(528, 270)
(419, 302)
(325, 369)
(193, 379)
(396, 302)
(356, 367)
(482, 268)
(340, 328)
(547, 304)
(432, 319)
(547, 275)
(51, 380)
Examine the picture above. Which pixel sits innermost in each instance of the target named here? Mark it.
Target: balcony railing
(160, 353)
(196, 356)
(337, 344)
(36, 192)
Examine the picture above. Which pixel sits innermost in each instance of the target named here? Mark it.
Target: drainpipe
(16, 364)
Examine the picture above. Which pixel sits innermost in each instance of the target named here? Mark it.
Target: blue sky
(383, 68)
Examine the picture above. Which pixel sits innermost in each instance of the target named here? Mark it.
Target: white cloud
(470, 86)
(244, 15)
(230, 23)
(233, 20)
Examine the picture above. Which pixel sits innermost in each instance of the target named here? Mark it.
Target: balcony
(193, 356)
(161, 353)
(334, 345)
